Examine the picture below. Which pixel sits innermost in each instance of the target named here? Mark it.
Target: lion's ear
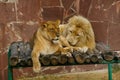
(44, 25)
(58, 22)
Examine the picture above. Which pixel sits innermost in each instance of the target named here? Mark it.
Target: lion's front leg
(66, 51)
(64, 41)
(81, 49)
(35, 60)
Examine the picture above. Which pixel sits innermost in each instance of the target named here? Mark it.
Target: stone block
(2, 32)
(5, 74)
(67, 3)
(53, 70)
(50, 3)
(24, 72)
(103, 10)
(7, 12)
(101, 31)
(3, 61)
(21, 31)
(28, 10)
(53, 13)
(84, 7)
(114, 34)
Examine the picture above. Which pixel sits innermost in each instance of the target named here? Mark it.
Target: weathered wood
(100, 59)
(62, 59)
(94, 58)
(116, 56)
(102, 47)
(54, 60)
(27, 50)
(14, 61)
(93, 55)
(71, 59)
(24, 53)
(22, 62)
(27, 55)
(45, 60)
(29, 62)
(79, 57)
(87, 59)
(20, 51)
(21, 56)
(108, 56)
(14, 54)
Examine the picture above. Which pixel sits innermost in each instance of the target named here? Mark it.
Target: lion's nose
(58, 35)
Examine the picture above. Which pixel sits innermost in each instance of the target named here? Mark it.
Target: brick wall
(19, 19)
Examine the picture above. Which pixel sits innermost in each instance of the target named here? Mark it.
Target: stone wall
(19, 19)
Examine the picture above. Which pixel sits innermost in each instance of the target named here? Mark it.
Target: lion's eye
(58, 28)
(78, 35)
(71, 31)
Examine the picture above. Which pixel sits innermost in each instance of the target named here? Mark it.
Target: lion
(78, 33)
(46, 41)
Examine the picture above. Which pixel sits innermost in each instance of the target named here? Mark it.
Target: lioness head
(50, 30)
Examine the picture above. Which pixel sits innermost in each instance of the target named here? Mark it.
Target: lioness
(45, 42)
(79, 33)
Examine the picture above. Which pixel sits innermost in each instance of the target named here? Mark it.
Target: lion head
(74, 35)
(80, 32)
(49, 30)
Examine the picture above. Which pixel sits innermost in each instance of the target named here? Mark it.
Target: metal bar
(10, 71)
(109, 71)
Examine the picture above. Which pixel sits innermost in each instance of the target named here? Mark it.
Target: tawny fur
(79, 33)
(45, 42)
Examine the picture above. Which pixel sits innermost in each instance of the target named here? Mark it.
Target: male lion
(45, 42)
(78, 33)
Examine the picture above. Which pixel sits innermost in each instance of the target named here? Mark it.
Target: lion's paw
(69, 54)
(84, 49)
(37, 68)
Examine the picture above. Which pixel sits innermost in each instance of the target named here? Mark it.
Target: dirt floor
(90, 75)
